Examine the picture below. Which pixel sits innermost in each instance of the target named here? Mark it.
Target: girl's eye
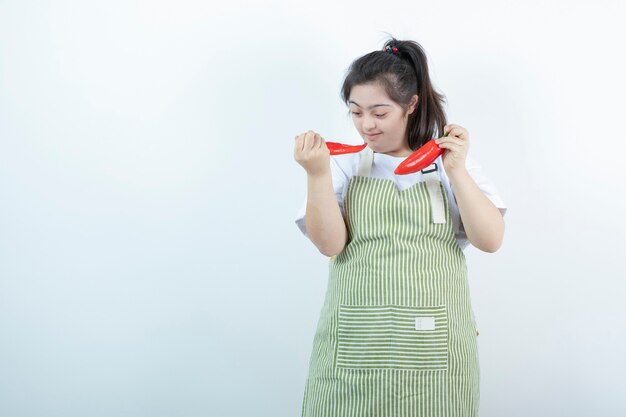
(379, 115)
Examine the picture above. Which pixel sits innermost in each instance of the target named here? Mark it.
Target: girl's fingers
(309, 139)
(449, 139)
(319, 142)
(448, 128)
(451, 146)
(322, 142)
(297, 147)
(456, 130)
(316, 142)
(300, 143)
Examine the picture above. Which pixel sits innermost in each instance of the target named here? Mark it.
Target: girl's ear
(413, 103)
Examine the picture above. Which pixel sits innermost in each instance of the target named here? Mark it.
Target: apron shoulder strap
(435, 193)
(366, 157)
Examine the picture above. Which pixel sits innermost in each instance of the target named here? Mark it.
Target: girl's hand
(456, 145)
(311, 152)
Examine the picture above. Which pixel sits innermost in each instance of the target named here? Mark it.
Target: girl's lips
(372, 136)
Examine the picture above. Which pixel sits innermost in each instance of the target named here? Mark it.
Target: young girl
(397, 333)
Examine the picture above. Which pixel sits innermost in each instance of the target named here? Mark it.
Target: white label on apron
(424, 323)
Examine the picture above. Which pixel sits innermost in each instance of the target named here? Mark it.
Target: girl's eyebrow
(372, 106)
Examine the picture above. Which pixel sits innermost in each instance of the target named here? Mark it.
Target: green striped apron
(396, 335)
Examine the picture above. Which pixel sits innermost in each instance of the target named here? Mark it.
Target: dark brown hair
(402, 74)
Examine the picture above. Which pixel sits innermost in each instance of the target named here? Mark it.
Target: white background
(149, 260)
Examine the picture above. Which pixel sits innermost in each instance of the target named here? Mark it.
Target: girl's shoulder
(482, 179)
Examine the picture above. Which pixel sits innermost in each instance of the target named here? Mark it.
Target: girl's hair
(402, 74)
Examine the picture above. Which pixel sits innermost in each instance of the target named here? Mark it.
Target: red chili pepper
(420, 159)
(337, 148)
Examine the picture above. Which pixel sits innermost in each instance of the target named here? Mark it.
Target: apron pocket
(392, 336)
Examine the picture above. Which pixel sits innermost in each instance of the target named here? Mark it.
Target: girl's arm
(483, 222)
(324, 222)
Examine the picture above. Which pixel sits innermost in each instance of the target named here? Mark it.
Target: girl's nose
(369, 124)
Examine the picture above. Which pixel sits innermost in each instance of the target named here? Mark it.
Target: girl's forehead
(369, 95)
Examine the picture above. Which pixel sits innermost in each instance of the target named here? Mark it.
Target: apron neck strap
(366, 157)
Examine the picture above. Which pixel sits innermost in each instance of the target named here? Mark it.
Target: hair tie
(390, 49)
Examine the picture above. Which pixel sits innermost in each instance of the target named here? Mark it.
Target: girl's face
(379, 120)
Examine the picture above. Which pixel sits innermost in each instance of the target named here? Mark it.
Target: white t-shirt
(343, 167)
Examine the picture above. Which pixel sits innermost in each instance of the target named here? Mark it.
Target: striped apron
(396, 335)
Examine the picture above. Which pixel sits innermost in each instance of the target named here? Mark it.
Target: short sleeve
(340, 182)
(486, 186)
